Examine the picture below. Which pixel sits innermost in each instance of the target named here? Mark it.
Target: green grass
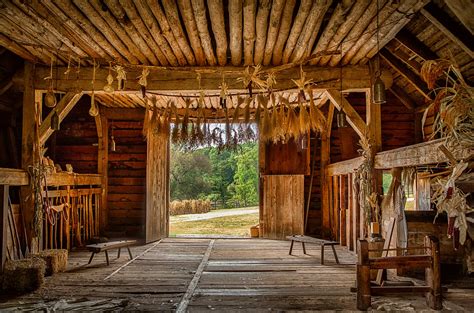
(237, 225)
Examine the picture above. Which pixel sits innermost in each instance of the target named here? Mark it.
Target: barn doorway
(213, 184)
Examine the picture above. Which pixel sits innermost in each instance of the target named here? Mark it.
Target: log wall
(127, 179)
(76, 141)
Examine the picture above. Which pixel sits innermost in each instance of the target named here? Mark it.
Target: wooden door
(283, 206)
(157, 186)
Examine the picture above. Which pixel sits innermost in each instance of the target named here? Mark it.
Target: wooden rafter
(65, 105)
(415, 45)
(353, 117)
(457, 34)
(403, 97)
(401, 68)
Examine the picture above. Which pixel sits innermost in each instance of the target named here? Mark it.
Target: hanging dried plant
(146, 119)
(121, 77)
(142, 80)
(317, 119)
(266, 127)
(110, 79)
(304, 120)
(432, 70)
(292, 123)
(236, 116)
(248, 103)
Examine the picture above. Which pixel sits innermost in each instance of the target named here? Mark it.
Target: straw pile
(190, 207)
(20, 276)
(55, 260)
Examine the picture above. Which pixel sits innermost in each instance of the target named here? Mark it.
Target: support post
(363, 276)
(3, 225)
(343, 210)
(325, 178)
(432, 274)
(102, 126)
(27, 148)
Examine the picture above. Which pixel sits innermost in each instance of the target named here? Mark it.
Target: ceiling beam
(401, 68)
(415, 45)
(353, 118)
(403, 97)
(65, 105)
(463, 10)
(457, 33)
(184, 79)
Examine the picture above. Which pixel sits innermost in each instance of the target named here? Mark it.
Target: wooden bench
(99, 247)
(321, 242)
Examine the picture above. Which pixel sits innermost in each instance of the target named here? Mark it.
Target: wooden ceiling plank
(17, 49)
(94, 50)
(142, 30)
(351, 20)
(169, 35)
(398, 20)
(261, 26)
(249, 11)
(353, 117)
(365, 29)
(235, 31)
(126, 37)
(463, 10)
(65, 105)
(216, 13)
(299, 22)
(52, 29)
(308, 35)
(93, 34)
(104, 28)
(458, 35)
(149, 19)
(415, 45)
(172, 15)
(191, 30)
(401, 68)
(199, 10)
(284, 31)
(274, 28)
(338, 17)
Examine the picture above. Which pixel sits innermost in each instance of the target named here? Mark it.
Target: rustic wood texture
(283, 206)
(254, 274)
(157, 186)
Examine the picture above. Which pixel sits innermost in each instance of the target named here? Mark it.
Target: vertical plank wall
(283, 203)
(157, 185)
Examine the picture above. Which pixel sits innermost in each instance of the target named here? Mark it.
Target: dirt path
(213, 214)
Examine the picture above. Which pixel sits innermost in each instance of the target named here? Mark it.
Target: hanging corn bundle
(317, 119)
(94, 110)
(110, 79)
(121, 77)
(454, 122)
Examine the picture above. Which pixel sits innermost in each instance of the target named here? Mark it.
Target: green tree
(188, 175)
(245, 184)
(222, 174)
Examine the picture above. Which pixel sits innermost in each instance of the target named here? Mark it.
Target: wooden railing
(73, 217)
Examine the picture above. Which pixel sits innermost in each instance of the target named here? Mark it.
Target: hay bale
(55, 259)
(20, 276)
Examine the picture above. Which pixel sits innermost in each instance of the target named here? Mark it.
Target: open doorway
(213, 189)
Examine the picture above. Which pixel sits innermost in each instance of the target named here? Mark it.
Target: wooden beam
(345, 167)
(419, 154)
(403, 97)
(325, 178)
(13, 177)
(102, 126)
(401, 68)
(65, 105)
(454, 32)
(415, 45)
(353, 117)
(463, 10)
(184, 79)
(4, 193)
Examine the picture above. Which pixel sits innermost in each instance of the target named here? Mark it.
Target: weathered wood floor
(207, 274)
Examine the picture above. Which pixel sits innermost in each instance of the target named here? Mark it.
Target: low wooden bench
(105, 246)
(321, 242)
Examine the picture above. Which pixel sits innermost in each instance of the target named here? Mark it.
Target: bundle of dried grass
(55, 260)
(20, 276)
